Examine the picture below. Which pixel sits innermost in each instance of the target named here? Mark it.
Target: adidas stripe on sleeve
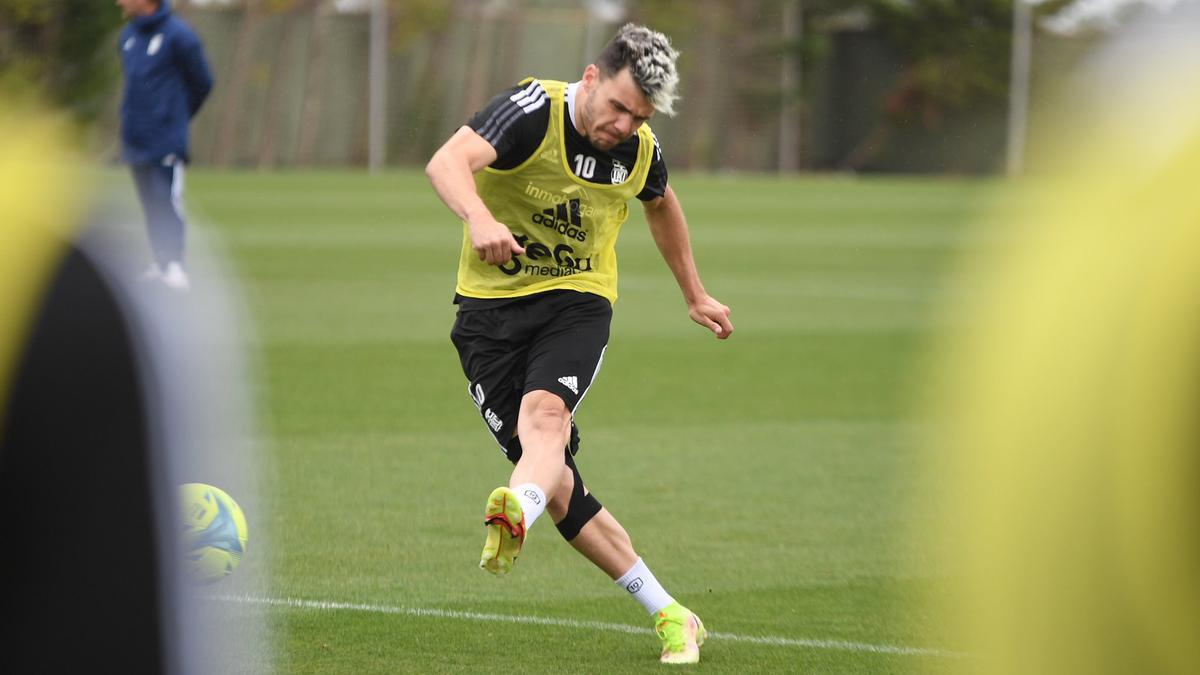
(514, 122)
(656, 181)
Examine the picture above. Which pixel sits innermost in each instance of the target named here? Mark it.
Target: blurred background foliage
(860, 85)
(65, 49)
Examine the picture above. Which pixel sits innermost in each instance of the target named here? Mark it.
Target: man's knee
(544, 410)
(542, 402)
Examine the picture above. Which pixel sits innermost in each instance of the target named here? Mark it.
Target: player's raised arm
(451, 170)
(670, 231)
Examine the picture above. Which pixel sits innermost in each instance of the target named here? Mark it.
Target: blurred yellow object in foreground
(40, 197)
(1069, 410)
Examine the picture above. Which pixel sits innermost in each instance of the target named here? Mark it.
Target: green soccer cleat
(505, 523)
(682, 633)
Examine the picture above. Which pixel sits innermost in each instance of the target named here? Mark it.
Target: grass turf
(768, 480)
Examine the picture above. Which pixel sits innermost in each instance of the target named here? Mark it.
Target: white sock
(533, 501)
(639, 581)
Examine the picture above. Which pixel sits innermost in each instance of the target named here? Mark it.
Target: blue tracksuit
(166, 81)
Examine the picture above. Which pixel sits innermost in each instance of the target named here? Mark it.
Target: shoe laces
(514, 529)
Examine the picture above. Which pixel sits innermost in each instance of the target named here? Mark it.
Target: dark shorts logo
(635, 585)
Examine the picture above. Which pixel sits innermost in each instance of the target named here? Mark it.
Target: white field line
(839, 645)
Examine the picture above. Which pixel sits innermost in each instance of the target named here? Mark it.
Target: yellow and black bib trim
(568, 226)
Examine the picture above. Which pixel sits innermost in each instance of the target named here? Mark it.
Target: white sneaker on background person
(175, 278)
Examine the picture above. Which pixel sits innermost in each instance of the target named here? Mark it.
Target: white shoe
(175, 278)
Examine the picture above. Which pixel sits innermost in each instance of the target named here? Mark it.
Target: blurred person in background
(541, 178)
(167, 79)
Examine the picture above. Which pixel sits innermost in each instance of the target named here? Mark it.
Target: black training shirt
(515, 122)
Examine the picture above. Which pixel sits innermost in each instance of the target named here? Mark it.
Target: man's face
(135, 8)
(611, 109)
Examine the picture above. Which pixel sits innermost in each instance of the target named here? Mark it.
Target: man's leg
(604, 542)
(144, 179)
(565, 351)
(160, 189)
(543, 425)
(490, 347)
(601, 540)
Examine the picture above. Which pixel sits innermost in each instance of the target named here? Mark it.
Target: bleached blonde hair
(651, 61)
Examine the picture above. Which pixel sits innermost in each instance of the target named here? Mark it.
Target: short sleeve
(514, 122)
(656, 180)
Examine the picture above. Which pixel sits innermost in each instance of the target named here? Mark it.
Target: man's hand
(670, 232)
(711, 314)
(493, 241)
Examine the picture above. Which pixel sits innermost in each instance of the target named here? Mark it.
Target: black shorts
(552, 341)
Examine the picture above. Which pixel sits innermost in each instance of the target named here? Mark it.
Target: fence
(293, 88)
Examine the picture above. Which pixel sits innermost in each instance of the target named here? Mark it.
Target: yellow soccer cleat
(505, 522)
(682, 633)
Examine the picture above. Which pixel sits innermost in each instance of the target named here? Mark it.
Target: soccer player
(166, 80)
(541, 178)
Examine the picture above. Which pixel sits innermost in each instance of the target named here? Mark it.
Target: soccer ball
(214, 532)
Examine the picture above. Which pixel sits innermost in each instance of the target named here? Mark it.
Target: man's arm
(670, 231)
(451, 170)
(196, 73)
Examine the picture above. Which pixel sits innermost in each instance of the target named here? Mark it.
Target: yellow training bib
(567, 225)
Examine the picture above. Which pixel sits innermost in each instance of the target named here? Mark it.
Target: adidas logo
(570, 382)
(566, 213)
(565, 218)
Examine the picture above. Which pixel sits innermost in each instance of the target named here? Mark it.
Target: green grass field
(769, 480)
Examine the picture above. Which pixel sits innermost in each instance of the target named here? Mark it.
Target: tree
(956, 54)
(65, 51)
